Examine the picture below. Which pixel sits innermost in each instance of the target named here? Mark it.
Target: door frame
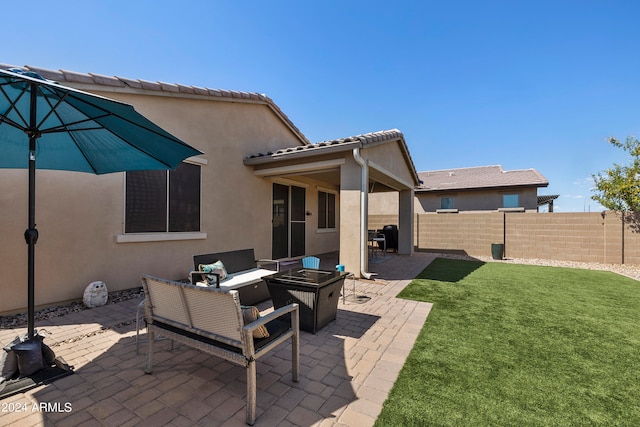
(289, 219)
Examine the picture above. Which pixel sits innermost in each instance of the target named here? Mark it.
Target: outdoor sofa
(212, 320)
(243, 273)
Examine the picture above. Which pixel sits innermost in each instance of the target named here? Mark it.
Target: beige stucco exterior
(388, 168)
(80, 216)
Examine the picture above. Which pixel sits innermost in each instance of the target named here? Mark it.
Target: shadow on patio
(188, 386)
(347, 369)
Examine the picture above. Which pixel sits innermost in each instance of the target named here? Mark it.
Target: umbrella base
(44, 376)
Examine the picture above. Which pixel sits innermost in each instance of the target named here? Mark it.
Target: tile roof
(336, 145)
(479, 177)
(341, 144)
(73, 78)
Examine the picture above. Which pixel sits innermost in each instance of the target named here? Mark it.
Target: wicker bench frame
(210, 320)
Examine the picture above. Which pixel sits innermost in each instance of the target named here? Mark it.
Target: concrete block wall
(579, 236)
(562, 236)
(376, 222)
(472, 235)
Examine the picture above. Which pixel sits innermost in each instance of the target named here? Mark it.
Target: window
(326, 210)
(446, 203)
(163, 201)
(510, 201)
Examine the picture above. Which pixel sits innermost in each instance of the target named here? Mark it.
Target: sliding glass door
(288, 221)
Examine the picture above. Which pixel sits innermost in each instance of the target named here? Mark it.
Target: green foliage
(520, 345)
(618, 188)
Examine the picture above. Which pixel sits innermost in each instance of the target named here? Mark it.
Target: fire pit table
(316, 291)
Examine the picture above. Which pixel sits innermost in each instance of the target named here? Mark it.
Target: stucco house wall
(249, 145)
(387, 163)
(81, 216)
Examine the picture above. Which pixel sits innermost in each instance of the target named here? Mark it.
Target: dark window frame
(451, 203)
(164, 201)
(326, 210)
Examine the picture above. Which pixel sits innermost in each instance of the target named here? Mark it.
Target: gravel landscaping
(18, 320)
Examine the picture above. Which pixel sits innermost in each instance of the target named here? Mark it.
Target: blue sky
(524, 84)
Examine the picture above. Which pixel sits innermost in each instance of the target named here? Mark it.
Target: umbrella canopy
(66, 129)
(79, 131)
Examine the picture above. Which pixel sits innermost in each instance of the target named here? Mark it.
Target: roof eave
(307, 152)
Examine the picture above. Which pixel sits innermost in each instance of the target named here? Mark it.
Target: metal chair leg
(140, 306)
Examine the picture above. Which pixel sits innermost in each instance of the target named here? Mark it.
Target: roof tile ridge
(132, 83)
(381, 135)
(534, 171)
(465, 168)
(522, 170)
(93, 78)
(78, 77)
(55, 75)
(107, 80)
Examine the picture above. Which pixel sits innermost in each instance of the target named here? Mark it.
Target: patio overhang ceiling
(545, 200)
(323, 161)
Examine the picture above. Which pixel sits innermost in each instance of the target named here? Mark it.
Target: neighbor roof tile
(479, 177)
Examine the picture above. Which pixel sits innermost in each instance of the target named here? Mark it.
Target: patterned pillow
(250, 314)
(217, 268)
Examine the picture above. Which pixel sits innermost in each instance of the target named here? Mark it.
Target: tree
(618, 188)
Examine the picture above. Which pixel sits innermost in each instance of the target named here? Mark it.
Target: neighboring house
(259, 184)
(482, 188)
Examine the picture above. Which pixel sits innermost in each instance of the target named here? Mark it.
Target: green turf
(517, 345)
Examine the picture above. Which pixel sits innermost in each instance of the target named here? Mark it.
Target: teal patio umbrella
(66, 129)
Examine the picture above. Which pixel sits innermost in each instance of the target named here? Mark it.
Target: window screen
(326, 210)
(161, 201)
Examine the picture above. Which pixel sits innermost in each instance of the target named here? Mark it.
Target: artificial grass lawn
(517, 345)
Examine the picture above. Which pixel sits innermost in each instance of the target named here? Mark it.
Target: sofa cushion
(238, 280)
(234, 261)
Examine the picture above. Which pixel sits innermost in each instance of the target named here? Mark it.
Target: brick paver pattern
(347, 368)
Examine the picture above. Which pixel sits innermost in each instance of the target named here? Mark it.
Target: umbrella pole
(31, 234)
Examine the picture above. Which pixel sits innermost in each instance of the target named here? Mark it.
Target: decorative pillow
(250, 314)
(217, 268)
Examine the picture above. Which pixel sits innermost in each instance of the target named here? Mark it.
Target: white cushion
(242, 278)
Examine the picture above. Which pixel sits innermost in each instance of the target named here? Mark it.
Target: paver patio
(347, 368)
